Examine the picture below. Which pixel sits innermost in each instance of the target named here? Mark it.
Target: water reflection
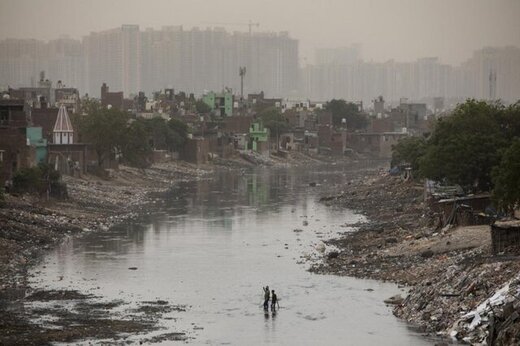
(213, 244)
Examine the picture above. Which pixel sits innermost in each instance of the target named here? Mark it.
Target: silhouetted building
(15, 149)
(113, 99)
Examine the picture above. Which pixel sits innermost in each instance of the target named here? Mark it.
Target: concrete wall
(195, 150)
(63, 157)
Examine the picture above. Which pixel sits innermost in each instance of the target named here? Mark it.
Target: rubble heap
(496, 321)
(453, 274)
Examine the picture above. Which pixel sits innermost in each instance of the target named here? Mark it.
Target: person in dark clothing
(274, 301)
(266, 297)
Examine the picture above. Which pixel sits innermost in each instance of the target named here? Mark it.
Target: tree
(105, 129)
(158, 133)
(464, 147)
(509, 120)
(136, 149)
(349, 111)
(272, 119)
(409, 150)
(180, 134)
(506, 178)
(37, 179)
(202, 107)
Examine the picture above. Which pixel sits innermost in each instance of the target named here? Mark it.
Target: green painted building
(258, 137)
(35, 138)
(220, 103)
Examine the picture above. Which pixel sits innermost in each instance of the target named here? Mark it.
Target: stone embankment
(458, 288)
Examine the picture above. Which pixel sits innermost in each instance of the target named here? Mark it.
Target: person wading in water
(274, 301)
(266, 297)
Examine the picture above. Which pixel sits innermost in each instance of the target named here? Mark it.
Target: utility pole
(242, 73)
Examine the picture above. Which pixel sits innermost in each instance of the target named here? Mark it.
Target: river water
(212, 245)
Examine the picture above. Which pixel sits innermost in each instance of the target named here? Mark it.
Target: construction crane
(250, 24)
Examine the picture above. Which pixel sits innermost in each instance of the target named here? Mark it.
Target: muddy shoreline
(31, 226)
(450, 271)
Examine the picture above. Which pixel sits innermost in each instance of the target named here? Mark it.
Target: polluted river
(207, 249)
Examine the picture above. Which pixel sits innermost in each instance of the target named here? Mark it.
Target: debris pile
(496, 321)
(458, 285)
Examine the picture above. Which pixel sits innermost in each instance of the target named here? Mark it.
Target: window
(4, 116)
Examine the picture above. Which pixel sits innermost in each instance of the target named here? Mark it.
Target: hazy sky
(400, 29)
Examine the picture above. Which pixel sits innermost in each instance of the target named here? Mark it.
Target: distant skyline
(403, 30)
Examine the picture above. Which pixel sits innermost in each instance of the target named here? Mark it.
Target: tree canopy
(409, 150)
(202, 107)
(349, 111)
(180, 133)
(477, 147)
(105, 129)
(136, 147)
(112, 132)
(463, 148)
(506, 178)
(273, 119)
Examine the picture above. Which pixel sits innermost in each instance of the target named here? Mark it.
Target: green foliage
(202, 107)
(157, 131)
(509, 120)
(111, 132)
(464, 147)
(180, 134)
(272, 119)
(28, 180)
(506, 178)
(105, 129)
(349, 111)
(35, 179)
(144, 135)
(408, 150)
(136, 149)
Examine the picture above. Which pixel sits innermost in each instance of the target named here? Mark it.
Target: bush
(408, 150)
(28, 180)
(37, 179)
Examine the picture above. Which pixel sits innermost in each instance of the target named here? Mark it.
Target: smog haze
(403, 30)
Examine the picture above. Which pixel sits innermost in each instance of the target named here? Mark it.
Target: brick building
(46, 119)
(114, 99)
(15, 149)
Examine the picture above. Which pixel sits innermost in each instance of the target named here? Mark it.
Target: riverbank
(450, 271)
(30, 226)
